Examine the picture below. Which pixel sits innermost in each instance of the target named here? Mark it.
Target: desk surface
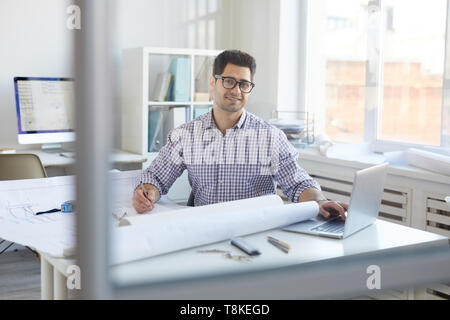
(313, 252)
(379, 237)
(56, 160)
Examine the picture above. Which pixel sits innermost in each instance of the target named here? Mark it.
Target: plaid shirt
(246, 162)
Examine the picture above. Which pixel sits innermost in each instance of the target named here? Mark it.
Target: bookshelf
(139, 111)
(147, 121)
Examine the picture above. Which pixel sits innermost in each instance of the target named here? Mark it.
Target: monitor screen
(45, 109)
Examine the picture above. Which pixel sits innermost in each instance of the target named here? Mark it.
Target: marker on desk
(245, 246)
(283, 246)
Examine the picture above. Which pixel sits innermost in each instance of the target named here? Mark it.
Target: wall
(253, 26)
(34, 41)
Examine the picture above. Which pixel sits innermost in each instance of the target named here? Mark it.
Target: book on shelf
(201, 97)
(163, 86)
(203, 74)
(181, 70)
(7, 150)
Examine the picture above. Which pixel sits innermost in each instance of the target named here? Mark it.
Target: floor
(20, 276)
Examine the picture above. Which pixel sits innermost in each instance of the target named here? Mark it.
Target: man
(229, 153)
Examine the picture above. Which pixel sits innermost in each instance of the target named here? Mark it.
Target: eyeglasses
(230, 83)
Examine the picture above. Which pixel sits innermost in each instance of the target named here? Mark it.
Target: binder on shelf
(155, 128)
(181, 70)
(199, 111)
(163, 86)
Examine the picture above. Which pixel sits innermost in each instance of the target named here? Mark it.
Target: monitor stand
(52, 147)
(57, 148)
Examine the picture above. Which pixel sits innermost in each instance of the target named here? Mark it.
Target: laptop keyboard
(333, 226)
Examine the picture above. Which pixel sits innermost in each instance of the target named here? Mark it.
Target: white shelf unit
(140, 67)
(139, 70)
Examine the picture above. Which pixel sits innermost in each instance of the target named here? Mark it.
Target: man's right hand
(143, 204)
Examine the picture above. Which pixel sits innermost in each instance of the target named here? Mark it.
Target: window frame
(374, 85)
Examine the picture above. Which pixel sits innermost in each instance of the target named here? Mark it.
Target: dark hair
(235, 57)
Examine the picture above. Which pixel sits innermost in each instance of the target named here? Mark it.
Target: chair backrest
(191, 200)
(21, 166)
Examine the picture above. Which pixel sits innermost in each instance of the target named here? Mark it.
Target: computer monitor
(45, 111)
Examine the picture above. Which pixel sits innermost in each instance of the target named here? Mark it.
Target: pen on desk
(283, 246)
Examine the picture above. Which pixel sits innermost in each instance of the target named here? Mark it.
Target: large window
(413, 69)
(379, 70)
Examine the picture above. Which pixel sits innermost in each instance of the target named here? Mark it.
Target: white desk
(57, 165)
(315, 267)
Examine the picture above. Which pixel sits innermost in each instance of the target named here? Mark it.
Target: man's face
(230, 100)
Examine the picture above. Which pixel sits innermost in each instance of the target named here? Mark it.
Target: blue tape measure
(68, 206)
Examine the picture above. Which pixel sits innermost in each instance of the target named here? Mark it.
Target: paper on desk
(21, 199)
(54, 233)
(170, 231)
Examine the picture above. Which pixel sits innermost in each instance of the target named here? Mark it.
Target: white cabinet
(146, 122)
(412, 197)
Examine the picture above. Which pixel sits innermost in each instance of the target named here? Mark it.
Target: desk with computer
(45, 115)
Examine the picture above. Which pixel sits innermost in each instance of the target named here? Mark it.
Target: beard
(230, 103)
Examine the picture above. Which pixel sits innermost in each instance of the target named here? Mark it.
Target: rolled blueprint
(155, 234)
(428, 160)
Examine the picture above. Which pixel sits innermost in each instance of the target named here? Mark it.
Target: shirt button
(220, 181)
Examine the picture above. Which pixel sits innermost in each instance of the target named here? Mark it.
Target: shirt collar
(208, 121)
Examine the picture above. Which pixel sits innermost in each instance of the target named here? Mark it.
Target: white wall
(34, 41)
(275, 33)
(253, 26)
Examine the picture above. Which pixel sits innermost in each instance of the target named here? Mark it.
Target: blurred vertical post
(445, 127)
(94, 76)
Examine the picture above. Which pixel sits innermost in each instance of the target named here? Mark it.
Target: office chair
(19, 166)
(190, 202)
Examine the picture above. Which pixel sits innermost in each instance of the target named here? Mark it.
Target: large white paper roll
(428, 160)
(166, 232)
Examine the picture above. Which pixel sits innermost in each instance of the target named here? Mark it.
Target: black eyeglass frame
(236, 83)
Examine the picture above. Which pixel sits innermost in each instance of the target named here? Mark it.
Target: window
(413, 69)
(376, 70)
(200, 19)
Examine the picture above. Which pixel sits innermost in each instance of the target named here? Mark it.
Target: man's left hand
(329, 209)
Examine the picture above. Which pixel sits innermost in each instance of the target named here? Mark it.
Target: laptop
(365, 202)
